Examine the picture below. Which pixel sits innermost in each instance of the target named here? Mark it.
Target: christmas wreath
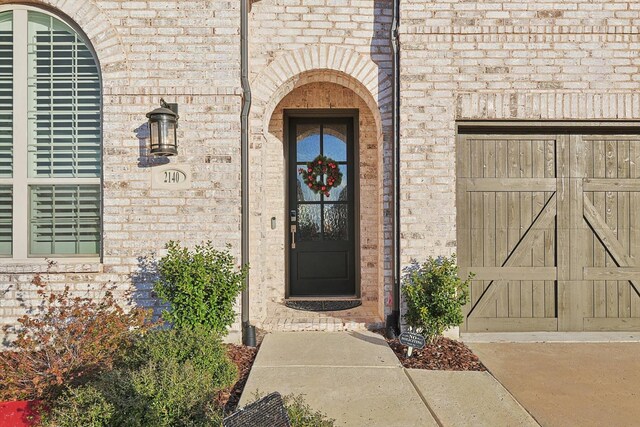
(321, 175)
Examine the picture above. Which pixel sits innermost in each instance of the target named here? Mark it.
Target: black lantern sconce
(163, 125)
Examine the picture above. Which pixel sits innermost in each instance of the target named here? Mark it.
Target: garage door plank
(502, 224)
(550, 234)
(562, 196)
(510, 184)
(612, 273)
(516, 228)
(599, 252)
(624, 296)
(510, 273)
(477, 218)
(563, 224)
(614, 185)
(489, 206)
(526, 215)
(482, 324)
(634, 217)
(611, 219)
(596, 324)
(539, 199)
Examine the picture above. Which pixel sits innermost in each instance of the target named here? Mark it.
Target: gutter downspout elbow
(248, 331)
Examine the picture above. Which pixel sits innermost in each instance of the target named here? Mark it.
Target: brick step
(282, 318)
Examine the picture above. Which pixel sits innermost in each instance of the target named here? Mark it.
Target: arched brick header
(104, 38)
(313, 64)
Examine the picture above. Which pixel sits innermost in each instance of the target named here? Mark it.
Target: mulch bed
(443, 355)
(243, 357)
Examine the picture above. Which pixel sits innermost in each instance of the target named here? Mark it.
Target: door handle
(294, 228)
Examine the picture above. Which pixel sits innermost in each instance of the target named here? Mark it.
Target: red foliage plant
(64, 342)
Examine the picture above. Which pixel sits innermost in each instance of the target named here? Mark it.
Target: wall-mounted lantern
(163, 125)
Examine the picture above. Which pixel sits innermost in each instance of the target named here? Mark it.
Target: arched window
(50, 138)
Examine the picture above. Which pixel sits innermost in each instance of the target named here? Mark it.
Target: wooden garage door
(550, 225)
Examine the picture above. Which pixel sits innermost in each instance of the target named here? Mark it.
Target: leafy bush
(201, 286)
(169, 378)
(197, 346)
(164, 393)
(434, 295)
(81, 406)
(301, 414)
(64, 342)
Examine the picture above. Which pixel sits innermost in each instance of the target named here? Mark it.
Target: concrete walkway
(355, 378)
(569, 384)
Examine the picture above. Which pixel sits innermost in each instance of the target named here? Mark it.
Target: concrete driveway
(569, 384)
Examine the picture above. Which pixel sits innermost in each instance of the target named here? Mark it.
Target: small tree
(434, 295)
(201, 286)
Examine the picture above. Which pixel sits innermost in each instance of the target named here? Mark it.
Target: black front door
(321, 222)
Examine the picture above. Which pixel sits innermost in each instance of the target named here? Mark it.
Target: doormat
(323, 305)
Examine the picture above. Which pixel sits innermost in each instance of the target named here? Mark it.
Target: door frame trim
(323, 113)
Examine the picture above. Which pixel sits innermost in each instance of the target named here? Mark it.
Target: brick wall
(184, 51)
(460, 60)
(188, 52)
(535, 60)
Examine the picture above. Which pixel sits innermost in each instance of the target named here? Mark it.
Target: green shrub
(434, 295)
(168, 378)
(197, 346)
(201, 286)
(82, 406)
(301, 414)
(165, 393)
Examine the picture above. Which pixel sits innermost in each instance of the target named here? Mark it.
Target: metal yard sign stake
(412, 340)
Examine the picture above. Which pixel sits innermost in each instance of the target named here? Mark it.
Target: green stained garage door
(549, 222)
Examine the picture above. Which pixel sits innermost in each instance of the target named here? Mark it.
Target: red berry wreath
(319, 168)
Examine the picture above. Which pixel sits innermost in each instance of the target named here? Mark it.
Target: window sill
(41, 265)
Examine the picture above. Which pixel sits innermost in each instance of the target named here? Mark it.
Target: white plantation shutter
(65, 219)
(6, 94)
(6, 204)
(64, 101)
(50, 202)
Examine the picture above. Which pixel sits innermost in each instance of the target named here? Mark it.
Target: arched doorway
(349, 223)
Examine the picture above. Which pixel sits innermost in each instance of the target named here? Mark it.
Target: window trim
(20, 181)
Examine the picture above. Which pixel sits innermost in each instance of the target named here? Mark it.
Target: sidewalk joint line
(424, 400)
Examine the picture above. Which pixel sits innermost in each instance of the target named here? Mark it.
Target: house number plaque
(171, 177)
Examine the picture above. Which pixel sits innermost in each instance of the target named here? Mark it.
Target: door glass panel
(308, 142)
(339, 193)
(336, 224)
(305, 194)
(335, 142)
(309, 222)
